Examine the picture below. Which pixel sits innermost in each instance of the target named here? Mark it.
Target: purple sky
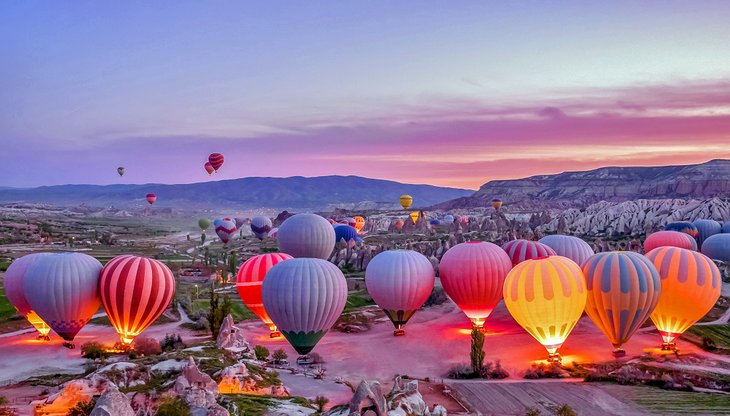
(447, 93)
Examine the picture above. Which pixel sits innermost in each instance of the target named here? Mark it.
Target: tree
(320, 402)
(477, 350)
(261, 352)
(565, 410)
(5, 410)
(94, 351)
(279, 355)
(173, 406)
(218, 311)
(82, 408)
(232, 260)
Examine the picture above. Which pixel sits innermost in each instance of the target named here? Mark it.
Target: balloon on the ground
(717, 247)
(63, 289)
(473, 274)
(669, 239)
(448, 219)
(705, 229)
(135, 291)
(623, 290)
(399, 281)
(347, 234)
(496, 203)
(521, 250)
(414, 216)
(435, 222)
(274, 232)
(568, 246)
(121, 170)
(151, 198)
(546, 297)
(683, 227)
(249, 279)
(690, 288)
(726, 227)
(225, 229)
(203, 223)
(399, 225)
(304, 297)
(209, 168)
(406, 201)
(306, 235)
(359, 223)
(261, 225)
(216, 160)
(13, 284)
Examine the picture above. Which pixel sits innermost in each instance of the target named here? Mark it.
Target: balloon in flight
(225, 229)
(496, 203)
(216, 160)
(414, 216)
(209, 168)
(261, 226)
(359, 223)
(121, 170)
(203, 223)
(151, 198)
(406, 201)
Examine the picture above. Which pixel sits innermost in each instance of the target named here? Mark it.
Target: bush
(82, 408)
(541, 370)
(460, 371)
(261, 352)
(173, 406)
(171, 342)
(279, 355)
(320, 402)
(4, 409)
(565, 410)
(147, 346)
(94, 351)
(531, 411)
(493, 371)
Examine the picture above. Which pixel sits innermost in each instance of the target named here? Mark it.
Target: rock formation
(237, 380)
(230, 337)
(199, 390)
(401, 401)
(112, 403)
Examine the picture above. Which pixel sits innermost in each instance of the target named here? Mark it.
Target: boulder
(112, 403)
(230, 337)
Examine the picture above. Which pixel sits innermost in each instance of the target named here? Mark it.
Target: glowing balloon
(215, 160)
(406, 201)
(521, 250)
(399, 225)
(209, 168)
(464, 219)
(496, 203)
(669, 239)
(546, 297)
(135, 291)
(225, 229)
(623, 289)
(306, 235)
(683, 227)
(717, 247)
(414, 216)
(359, 223)
(399, 281)
(706, 229)
(473, 274)
(304, 297)
(250, 277)
(151, 198)
(203, 223)
(63, 289)
(568, 246)
(13, 284)
(121, 170)
(690, 288)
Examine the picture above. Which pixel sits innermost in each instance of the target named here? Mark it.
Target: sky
(447, 93)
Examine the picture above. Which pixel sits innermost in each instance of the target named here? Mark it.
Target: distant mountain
(613, 184)
(246, 193)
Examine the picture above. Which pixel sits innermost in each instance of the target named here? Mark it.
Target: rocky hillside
(612, 184)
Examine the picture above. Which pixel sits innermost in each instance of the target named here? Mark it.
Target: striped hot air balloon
(546, 297)
(690, 288)
(683, 227)
(261, 226)
(706, 229)
(473, 274)
(399, 225)
(13, 284)
(717, 247)
(216, 160)
(496, 203)
(209, 168)
(306, 235)
(151, 198)
(359, 223)
(399, 281)
(568, 246)
(225, 229)
(521, 250)
(63, 289)
(669, 239)
(623, 290)
(249, 280)
(135, 291)
(406, 201)
(304, 297)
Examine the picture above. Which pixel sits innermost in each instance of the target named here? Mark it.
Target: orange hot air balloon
(209, 168)
(690, 287)
(135, 291)
(546, 296)
(249, 280)
(399, 225)
(496, 203)
(151, 198)
(359, 223)
(414, 216)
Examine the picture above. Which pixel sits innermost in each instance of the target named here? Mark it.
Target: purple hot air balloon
(568, 246)
(261, 226)
(306, 235)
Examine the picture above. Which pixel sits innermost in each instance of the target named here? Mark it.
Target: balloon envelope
(706, 229)
(121, 170)
(346, 233)
(496, 203)
(399, 225)
(261, 226)
(359, 223)
(414, 216)
(306, 235)
(151, 198)
(521, 250)
(249, 279)
(726, 227)
(717, 247)
(448, 219)
(209, 168)
(13, 284)
(216, 160)
(568, 246)
(683, 227)
(669, 239)
(203, 223)
(406, 201)
(225, 229)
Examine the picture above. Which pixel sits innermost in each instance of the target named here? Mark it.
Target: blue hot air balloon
(706, 229)
(717, 247)
(347, 233)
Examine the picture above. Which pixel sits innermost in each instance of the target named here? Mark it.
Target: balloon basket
(68, 344)
(669, 346)
(554, 358)
(618, 353)
(305, 360)
(399, 333)
(43, 337)
(274, 334)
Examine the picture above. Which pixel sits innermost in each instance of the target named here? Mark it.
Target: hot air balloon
(215, 160)
(63, 289)
(464, 219)
(274, 232)
(348, 221)
(359, 223)
(414, 216)
(306, 235)
(546, 296)
(406, 201)
(448, 219)
(434, 222)
(473, 274)
(217, 222)
(135, 291)
(521, 250)
(304, 297)
(568, 246)
(121, 170)
(623, 289)
(209, 168)
(717, 247)
(726, 227)
(399, 281)
(399, 225)
(151, 198)
(705, 229)
(225, 229)
(13, 284)
(496, 203)
(347, 234)
(669, 239)
(690, 287)
(249, 280)
(203, 223)
(683, 227)
(261, 226)
(239, 222)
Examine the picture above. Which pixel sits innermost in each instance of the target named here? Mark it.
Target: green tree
(279, 355)
(261, 352)
(94, 351)
(565, 410)
(173, 406)
(232, 260)
(477, 350)
(218, 311)
(82, 408)
(320, 402)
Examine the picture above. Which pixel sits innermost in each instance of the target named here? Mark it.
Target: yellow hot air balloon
(359, 223)
(414, 216)
(406, 201)
(690, 287)
(546, 296)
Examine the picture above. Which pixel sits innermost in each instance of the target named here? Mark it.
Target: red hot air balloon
(215, 160)
(135, 291)
(669, 239)
(521, 250)
(249, 280)
(151, 198)
(209, 168)
(225, 229)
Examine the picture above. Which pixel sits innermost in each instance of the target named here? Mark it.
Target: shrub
(82, 408)
(541, 370)
(279, 355)
(493, 371)
(531, 411)
(94, 351)
(261, 352)
(316, 358)
(565, 410)
(460, 371)
(171, 342)
(173, 406)
(147, 346)
(320, 402)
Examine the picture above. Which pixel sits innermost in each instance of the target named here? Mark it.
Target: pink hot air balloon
(399, 281)
(669, 239)
(151, 198)
(13, 284)
(249, 280)
(225, 229)
(216, 160)
(209, 168)
(473, 274)
(521, 250)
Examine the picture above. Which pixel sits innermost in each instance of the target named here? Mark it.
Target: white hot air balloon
(13, 284)
(568, 246)
(306, 235)
(261, 226)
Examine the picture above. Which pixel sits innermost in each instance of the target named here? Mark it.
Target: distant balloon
(406, 201)
(359, 223)
(414, 216)
(705, 229)
(496, 203)
(63, 289)
(217, 221)
(435, 222)
(717, 247)
(331, 221)
(464, 219)
(349, 221)
(203, 223)
(250, 277)
(121, 170)
(216, 160)
(347, 234)
(448, 219)
(306, 235)
(13, 284)
(669, 239)
(261, 226)
(131, 311)
(304, 297)
(683, 227)
(151, 198)
(399, 225)
(209, 168)
(225, 229)
(568, 246)
(623, 289)
(399, 281)
(546, 297)
(521, 250)
(690, 288)
(473, 274)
